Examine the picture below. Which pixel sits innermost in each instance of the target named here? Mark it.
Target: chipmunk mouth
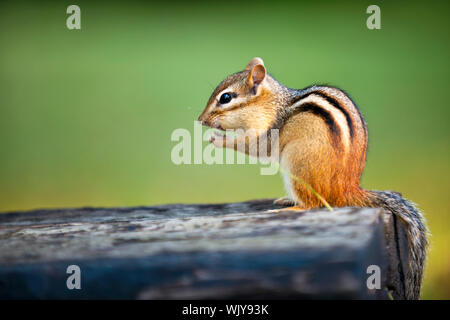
(210, 125)
(218, 129)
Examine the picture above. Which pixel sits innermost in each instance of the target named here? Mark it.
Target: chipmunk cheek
(231, 122)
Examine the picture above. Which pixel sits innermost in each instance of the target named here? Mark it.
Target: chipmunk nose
(202, 121)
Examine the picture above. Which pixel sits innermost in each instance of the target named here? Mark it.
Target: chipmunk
(322, 147)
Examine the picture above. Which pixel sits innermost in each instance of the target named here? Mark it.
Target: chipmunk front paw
(217, 140)
(220, 140)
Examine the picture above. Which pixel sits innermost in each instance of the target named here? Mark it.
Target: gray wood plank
(213, 251)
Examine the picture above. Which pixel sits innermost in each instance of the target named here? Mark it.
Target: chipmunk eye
(225, 98)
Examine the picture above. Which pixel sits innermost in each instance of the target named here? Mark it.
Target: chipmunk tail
(415, 226)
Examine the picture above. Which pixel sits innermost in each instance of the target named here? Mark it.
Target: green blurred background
(86, 115)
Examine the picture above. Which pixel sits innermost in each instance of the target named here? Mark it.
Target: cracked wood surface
(233, 250)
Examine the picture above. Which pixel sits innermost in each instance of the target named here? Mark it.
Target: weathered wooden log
(212, 251)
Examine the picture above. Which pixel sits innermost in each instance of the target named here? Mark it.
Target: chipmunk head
(244, 100)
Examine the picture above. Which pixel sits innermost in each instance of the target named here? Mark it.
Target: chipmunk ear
(254, 62)
(256, 76)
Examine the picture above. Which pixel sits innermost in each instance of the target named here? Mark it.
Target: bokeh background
(86, 115)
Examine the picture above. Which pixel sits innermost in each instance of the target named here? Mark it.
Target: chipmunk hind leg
(296, 208)
(285, 202)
